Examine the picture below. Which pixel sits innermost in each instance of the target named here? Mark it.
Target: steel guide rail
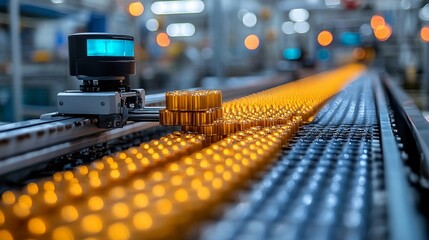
(413, 122)
(32, 135)
(404, 220)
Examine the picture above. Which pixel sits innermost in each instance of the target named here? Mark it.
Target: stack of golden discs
(196, 111)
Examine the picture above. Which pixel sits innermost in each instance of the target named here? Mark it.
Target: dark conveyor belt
(328, 184)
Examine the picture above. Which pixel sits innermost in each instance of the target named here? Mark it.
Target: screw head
(102, 103)
(61, 103)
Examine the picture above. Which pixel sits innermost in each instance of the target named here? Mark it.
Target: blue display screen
(109, 48)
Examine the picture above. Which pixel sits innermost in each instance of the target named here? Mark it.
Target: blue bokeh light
(292, 53)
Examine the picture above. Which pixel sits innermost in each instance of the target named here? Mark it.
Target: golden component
(207, 130)
(165, 117)
(170, 101)
(185, 118)
(193, 100)
(203, 118)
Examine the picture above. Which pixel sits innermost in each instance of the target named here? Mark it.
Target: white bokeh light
(332, 3)
(299, 15)
(177, 7)
(301, 27)
(152, 25)
(240, 13)
(287, 27)
(424, 13)
(180, 30)
(249, 19)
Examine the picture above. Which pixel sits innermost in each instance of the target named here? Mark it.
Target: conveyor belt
(332, 181)
(327, 184)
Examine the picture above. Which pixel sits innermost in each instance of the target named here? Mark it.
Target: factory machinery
(338, 155)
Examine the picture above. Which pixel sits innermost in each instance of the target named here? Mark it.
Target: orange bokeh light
(136, 8)
(377, 21)
(162, 39)
(424, 33)
(383, 32)
(359, 53)
(251, 42)
(325, 38)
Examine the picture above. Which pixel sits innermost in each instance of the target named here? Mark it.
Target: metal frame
(404, 220)
(417, 125)
(92, 138)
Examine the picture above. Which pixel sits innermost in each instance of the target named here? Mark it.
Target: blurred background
(209, 43)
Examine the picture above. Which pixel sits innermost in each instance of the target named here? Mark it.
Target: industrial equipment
(338, 155)
(103, 62)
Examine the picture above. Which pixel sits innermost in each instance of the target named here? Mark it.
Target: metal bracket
(111, 108)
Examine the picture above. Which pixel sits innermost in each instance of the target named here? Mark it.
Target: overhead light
(332, 3)
(180, 30)
(383, 32)
(359, 53)
(251, 42)
(177, 7)
(207, 53)
(136, 8)
(152, 25)
(377, 21)
(241, 13)
(424, 34)
(350, 38)
(292, 53)
(301, 27)
(287, 27)
(365, 30)
(325, 38)
(299, 15)
(162, 39)
(324, 54)
(57, 1)
(424, 13)
(249, 19)
(405, 4)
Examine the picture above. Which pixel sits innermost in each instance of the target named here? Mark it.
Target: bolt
(102, 104)
(61, 103)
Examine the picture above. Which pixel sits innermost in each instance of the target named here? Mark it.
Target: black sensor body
(101, 56)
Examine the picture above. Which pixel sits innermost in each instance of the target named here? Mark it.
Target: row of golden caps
(198, 100)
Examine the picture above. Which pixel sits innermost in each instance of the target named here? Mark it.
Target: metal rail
(404, 219)
(40, 155)
(418, 126)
